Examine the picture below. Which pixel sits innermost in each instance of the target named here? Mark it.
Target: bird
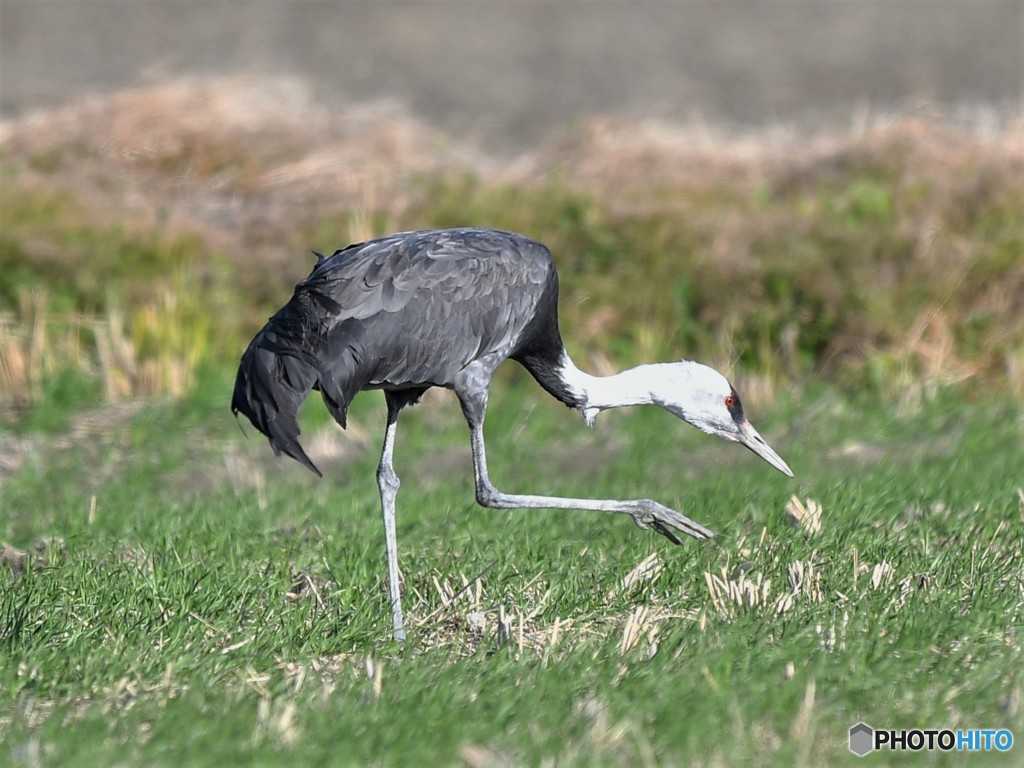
(444, 308)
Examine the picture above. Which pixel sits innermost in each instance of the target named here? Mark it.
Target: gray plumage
(444, 308)
(403, 313)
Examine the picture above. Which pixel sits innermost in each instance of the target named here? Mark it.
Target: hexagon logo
(862, 739)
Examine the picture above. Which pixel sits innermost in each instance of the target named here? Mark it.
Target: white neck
(630, 387)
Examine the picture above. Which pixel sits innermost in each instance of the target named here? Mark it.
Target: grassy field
(170, 594)
(190, 602)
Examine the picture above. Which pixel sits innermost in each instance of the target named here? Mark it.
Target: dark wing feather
(429, 303)
(406, 311)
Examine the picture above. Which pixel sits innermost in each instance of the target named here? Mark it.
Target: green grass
(172, 595)
(204, 604)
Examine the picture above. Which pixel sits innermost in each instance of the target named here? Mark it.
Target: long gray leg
(388, 483)
(645, 512)
(472, 391)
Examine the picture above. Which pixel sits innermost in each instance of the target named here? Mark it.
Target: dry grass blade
(881, 574)
(647, 570)
(740, 594)
(805, 515)
(34, 343)
(631, 631)
(504, 630)
(642, 621)
(448, 595)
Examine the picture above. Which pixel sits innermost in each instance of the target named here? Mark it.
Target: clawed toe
(663, 520)
(666, 532)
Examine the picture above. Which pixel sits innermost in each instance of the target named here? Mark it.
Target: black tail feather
(269, 389)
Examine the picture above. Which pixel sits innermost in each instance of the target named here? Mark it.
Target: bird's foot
(651, 514)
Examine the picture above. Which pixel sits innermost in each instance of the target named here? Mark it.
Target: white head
(704, 398)
(693, 392)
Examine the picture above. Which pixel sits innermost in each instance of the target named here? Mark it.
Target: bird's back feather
(406, 311)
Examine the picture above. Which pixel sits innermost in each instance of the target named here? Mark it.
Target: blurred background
(506, 75)
(798, 190)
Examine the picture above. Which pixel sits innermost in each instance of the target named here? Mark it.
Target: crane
(443, 308)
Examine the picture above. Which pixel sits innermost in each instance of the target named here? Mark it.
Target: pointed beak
(750, 438)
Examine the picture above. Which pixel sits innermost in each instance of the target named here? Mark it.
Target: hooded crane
(444, 308)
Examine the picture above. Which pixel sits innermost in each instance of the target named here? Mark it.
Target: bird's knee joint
(387, 479)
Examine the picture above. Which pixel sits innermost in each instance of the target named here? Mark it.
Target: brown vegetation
(147, 231)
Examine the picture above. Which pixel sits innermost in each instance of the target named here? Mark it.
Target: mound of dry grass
(889, 254)
(246, 163)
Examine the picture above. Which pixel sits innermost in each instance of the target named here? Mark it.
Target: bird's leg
(645, 513)
(388, 483)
